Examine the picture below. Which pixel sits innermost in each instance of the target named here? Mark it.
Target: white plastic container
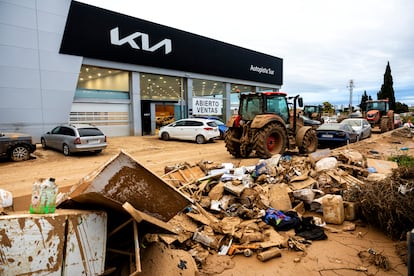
(6, 198)
(333, 209)
(44, 196)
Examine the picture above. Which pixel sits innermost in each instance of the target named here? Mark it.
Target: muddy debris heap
(284, 202)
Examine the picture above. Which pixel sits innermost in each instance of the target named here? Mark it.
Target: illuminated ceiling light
(99, 74)
(161, 78)
(81, 79)
(90, 76)
(87, 69)
(110, 72)
(149, 79)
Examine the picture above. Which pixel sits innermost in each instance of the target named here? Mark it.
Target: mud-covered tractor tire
(309, 142)
(385, 122)
(230, 138)
(271, 140)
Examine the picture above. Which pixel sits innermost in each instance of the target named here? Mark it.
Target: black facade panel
(88, 33)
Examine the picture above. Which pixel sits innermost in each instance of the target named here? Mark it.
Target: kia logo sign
(131, 40)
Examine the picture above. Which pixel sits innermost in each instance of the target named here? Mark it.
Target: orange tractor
(379, 115)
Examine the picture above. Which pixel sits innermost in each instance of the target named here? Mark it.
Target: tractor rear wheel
(270, 140)
(230, 139)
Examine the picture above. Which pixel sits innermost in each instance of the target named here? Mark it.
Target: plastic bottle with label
(44, 196)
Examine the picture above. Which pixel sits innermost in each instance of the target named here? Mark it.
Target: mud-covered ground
(338, 255)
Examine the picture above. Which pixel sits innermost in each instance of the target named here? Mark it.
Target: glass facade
(102, 83)
(160, 87)
(103, 98)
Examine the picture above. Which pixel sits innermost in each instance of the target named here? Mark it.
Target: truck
(378, 114)
(265, 124)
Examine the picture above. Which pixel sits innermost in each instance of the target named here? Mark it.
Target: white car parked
(360, 126)
(192, 129)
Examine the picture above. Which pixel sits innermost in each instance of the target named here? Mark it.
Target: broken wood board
(122, 179)
(184, 176)
(199, 217)
(298, 185)
(141, 216)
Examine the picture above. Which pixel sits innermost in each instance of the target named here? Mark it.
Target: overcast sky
(323, 43)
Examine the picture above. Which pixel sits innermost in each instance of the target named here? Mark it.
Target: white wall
(37, 84)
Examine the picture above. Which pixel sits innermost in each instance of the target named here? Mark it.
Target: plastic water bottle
(44, 196)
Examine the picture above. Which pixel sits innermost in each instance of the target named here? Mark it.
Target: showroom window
(208, 89)
(236, 90)
(160, 87)
(203, 88)
(102, 83)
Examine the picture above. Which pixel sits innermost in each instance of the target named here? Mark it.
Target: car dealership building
(65, 61)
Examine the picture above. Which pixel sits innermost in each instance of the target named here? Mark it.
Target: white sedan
(360, 125)
(192, 129)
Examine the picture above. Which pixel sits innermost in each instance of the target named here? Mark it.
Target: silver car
(360, 125)
(74, 138)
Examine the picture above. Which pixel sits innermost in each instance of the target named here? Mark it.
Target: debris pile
(389, 203)
(195, 212)
(281, 202)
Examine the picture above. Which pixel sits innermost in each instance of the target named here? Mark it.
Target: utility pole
(351, 86)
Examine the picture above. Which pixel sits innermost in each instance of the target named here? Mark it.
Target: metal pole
(351, 86)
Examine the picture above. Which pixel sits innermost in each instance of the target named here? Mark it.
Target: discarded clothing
(281, 221)
(308, 230)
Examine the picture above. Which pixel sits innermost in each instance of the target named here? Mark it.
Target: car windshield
(212, 124)
(352, 122)
(333, 126)
(89, 132)
(218, 122)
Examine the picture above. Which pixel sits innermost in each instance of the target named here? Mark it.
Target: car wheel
(43, 141)
(66, 150)
(165, 136)
(19, 153)
(200, 139)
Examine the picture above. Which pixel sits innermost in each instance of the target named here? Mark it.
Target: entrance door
(146, 117)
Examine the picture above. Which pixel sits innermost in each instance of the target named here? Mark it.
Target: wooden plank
(137, 254)
(141, 216)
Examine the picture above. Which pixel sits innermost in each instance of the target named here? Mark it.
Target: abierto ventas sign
(207, 106)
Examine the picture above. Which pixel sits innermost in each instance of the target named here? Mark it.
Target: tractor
(265, 125)
(379, 115)
(314, 112)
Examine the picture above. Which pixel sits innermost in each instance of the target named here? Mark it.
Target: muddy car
(16, 146)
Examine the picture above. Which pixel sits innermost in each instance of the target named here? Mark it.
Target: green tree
(328, 108)
(401, 107)
(387, 90)
(364, 99)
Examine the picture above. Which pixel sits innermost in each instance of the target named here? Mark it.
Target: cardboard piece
(382, 166)
(122, 179)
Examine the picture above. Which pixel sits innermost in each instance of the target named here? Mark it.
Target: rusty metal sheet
(122, 179)
(34, 244)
